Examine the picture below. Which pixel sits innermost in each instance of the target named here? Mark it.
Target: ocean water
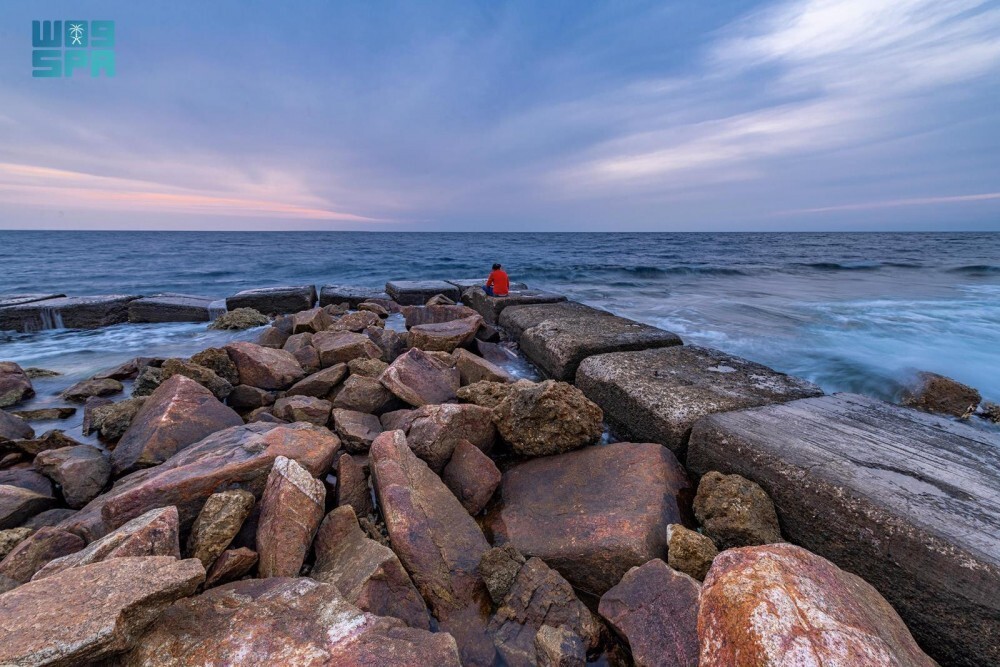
(852, 312)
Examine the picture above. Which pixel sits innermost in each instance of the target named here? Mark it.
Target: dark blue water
(854, 312)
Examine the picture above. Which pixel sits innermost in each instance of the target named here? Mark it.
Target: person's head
(496, 267)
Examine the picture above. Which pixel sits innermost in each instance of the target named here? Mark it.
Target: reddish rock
(290, 513)
(300, 345)
(596, 512)
(218, 523)
(735, 512)
(372, 307)
(265, 367)
(499, 567)
(53, 439)
(238, 457)
(356, 322)
(437, 541)
(654, 609)
(435, 314)
(245, 397)
(302, 409)
(931, 392)
(364, 394)
(689, 552)
(339, 347)
(472, 476)
(155, 533)
(368, 367)
(398, 420)
(310, 321)
(356, 429)
(14, 428)
(320, 383)
(419, 379)
(548, 418)
(559, 647)
(440, 300)
(15, 385)
(390, 342)
(473, 368)
(230, 566)
(26, 478)
(435, 430)
(352, 486)
(447, 336)
(30, 555)
(82, 472)
(368, 574)
(17, 505)
(49, 518)
(206, 377)
(85, 389)
(305, 622)
(87, 614)
(272, 337)
(780, 604)
(178, 414)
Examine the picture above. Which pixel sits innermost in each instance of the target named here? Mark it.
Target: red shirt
(499, 281)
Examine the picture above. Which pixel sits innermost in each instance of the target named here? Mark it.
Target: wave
(976, 269)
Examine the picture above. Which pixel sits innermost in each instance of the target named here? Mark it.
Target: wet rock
(302, 409)
(17, 505)
(82, 472)
(445, 337)
(364, 394)
(290, 513)
(320, 383)
(303, 621)
(490, 307)
(356, 429)
(991, 412)
(559, 647)
(33, 372)
(83, 390)
(217, 360)
(155, 533)
(170, 308)
(472, 476)
(51, 517)
(689, 552)
(539, 597)
(238, 457)
(548, 418)
(419, 379)
(356, 322)
(352, 486)
(264, 367)
(245, 397)
(491, 394)
(437, 541)
(931, 392)
(240, 318)
(310, 321)
(45, 414)
(87, 614)
(595, 512)
(15, 385)
(498, 567)
(207, 378)
(366, 573)
(178, 414)
(339, 347)
(14, 428)
(230, 566)
(390, 342)
(218, 523)
(274, 300)
(273, 337)
(735, 512)
(74, 312)
(771, 604)
(146, 382)
(473, 368)
(368, 367)
(11, 537)
(351, 295)
(415, 292)
(435, 430)
(127, 370)
(654, 609)
(31, 554)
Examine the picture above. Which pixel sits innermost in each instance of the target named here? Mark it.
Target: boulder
(364, 394)
(272, 336)
(127, 370)
(265, 367)
(356, 322)
(245, 397)
(26, 478)
(367, 574)
(904, 498)
(14, 428)
(689, 552)
(218, 523)
(657, 395)
(178, 414)
(53, 439)
(548, 418)
(170, 308)
(931, 392)
(472, 476)
(45, 414)
(87, 614)
(593, 513)
(434, 314)
(780, 604)
(356, 429)
(519, 318)
(17, 505)
(274, 300)
(155, 533)
(354, 296)
(82, 472)
(339, 347)
(81, 391)
(416, 292)
(146, 382)
(490, 307)
(434, 431)
(368, 367)
(372, 307)
(11, 537)
(654, 609)
(440, 300)
(113, 419)
(735, 512)
(290, 513)
(472, 369)
(437, 541)
(499, 567)
(303, 621)
(240, 318)
(15, 385)
(217, 359)
(30, 555)
(49, 518)
(301, 347)
(303, 409)
(559, 647)
(390, 342)
(419, 379)
(491, 394)
(320, 383)
(235, 458)
(71, 312)
(230, 566)
(447, 336)
(206, 377)
(352, 486)
(310, 321)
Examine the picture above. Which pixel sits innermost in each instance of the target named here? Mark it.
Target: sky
(523, 116)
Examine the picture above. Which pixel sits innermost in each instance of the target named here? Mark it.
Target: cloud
(896, 203)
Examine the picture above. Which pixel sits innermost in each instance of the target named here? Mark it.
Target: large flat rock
(514, 319)
(170, 308)
(490, 307)
(19, 299)
(353, 295)
(465, 283)
(657, 395)
(274, 300)
(69, 312)
(417, 292)
(908, 501)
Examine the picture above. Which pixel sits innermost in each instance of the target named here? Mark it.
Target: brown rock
(87, 614)
(125, 371)
(491, 394)
(26, 478)
(113, 419)
(290, 513)
(29, 556)
(419, 379)
(146, 382)
(178, 414)
(559, 647)
(548, 418)
(83, 390)
(230, 566)
(473, 368)
(320, 383)
(368, 574)
(390, 342)
(689, 552)
(356, 429)
(499, 567)
(217, 360)
(735, 512)
(11, 537)
(447, 336)
(398, 420)
(595, 512)
(372, 307)
(82, 472)
(339, 347)
(49, 518)
(203, 376)
(780, 604)
(17, 505)
(352, 486)
(245, 397)
(368, 367)
(356, 322)
(437, 541)
(15, 385)
(364, 394)
(155, 533)
(931, 392)
(435, 430)
(14, 428)
(218, 523)
(45, 414)
(53, 439)
(264, 367)
(472, 476)
(655, 610)
(310, 321)
(435, 314)
(305, 622)
(302, 409)
(240, 318)
(273, 337)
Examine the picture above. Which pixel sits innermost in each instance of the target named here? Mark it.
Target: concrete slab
(19, 299)
(516, 319)
(170, 308)
(908, 501)
(338, 294)
(70, 312)
(490, 307)
(657, 395)
(417, 292)
(275, 300)
(466, 283)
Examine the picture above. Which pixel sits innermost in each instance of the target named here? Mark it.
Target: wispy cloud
(897, 203)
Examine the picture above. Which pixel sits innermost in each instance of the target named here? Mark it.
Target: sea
(859, 312)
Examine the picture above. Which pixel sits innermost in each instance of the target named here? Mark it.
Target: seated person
(498, 284)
